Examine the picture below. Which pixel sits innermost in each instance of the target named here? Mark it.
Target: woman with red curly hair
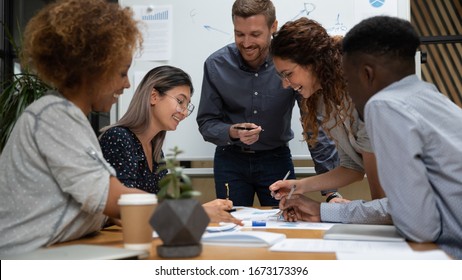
(54, 182)
(310, 61)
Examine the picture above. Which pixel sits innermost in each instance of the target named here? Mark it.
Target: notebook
(363, 232)
(81, 252)
(243, 238)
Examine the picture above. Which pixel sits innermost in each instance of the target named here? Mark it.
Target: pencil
(283, 179)
(227, 197)
(290, 210)
(287, 175)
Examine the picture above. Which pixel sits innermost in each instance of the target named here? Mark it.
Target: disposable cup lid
(137, 199)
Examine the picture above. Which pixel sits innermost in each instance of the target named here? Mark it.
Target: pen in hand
(291, 192)
(279, 214)
(242, 128)
(291, 209)
(287, 175)
(245, 128)
(227, 198)
(283, 179)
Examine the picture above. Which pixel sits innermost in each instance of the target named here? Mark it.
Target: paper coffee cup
(135, 212)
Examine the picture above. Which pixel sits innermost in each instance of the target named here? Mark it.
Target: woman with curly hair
(310, 61)
(55, 185)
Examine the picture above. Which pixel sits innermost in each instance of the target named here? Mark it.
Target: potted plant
(18, 91)
(179, 220)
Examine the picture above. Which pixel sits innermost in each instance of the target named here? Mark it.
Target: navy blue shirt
(233, 93)
(122, 149)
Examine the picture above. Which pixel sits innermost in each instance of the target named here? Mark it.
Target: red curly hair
(306, 43)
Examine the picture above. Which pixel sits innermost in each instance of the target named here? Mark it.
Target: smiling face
(168, 112)
(253, 36)
(107, 95)
(300, 78)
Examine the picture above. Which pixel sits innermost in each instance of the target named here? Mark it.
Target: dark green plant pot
(180, 224)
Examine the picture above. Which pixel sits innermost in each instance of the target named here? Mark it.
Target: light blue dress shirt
(416, 134)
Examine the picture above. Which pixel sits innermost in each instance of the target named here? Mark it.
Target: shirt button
(256, 74)
(256, 93)
(255, 112)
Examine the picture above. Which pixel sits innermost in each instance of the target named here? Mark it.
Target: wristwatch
(333, 195)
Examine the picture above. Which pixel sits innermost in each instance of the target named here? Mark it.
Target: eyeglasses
(286, 74)
(182, 105)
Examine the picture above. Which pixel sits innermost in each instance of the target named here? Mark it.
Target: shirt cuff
(330, 212)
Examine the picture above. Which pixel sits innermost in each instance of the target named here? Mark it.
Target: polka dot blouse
(124, 152)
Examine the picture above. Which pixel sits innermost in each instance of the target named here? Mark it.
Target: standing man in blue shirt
(247, 113)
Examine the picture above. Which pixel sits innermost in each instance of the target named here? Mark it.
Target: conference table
(112, 236)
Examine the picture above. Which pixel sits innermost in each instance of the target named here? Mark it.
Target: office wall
(199, 27)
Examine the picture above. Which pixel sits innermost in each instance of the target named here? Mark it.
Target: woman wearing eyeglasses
(308, 60)
(133, 145)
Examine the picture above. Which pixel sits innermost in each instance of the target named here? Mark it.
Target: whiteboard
(200, 27)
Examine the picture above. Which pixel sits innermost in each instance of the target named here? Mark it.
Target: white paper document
(361, 232)
(387, 255)
(250, 213)
(269, 218)
(223, 227)
(321, 245)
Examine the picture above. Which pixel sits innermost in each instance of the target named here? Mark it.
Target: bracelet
(333, 195)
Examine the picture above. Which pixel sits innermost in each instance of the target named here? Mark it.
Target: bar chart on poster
(184, 33)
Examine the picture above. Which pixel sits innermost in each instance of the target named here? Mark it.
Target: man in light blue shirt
(415, 131)
(416, 135)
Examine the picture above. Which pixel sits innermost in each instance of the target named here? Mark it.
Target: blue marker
(261, 223)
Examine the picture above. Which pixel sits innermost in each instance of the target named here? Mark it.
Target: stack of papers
(363, 232)
(243, 238)
(321, 245)
(223, 227)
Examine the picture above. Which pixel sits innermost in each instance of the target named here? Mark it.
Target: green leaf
(175, 184)
(190, 194)
(17, 92)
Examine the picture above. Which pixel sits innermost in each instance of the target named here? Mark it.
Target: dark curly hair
(383, 35)
(306, 43)
(71, 41)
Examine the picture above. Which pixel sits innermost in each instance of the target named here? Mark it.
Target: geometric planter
(180, 224)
